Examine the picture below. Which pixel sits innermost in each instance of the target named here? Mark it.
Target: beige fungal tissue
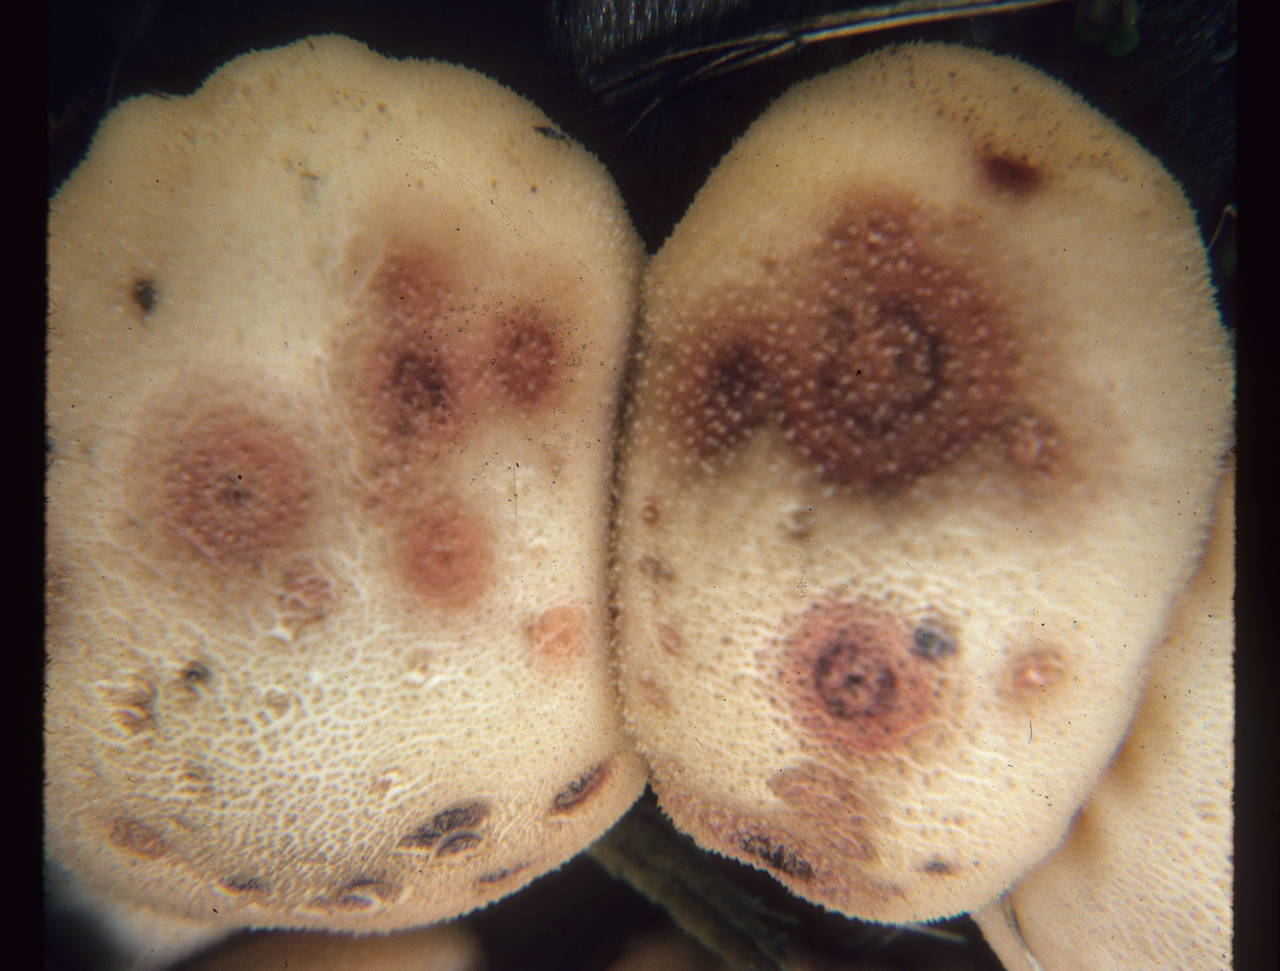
(334, 347)
(931, 403)
(1143, 879)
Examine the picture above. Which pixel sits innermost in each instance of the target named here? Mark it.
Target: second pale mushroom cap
(931, 401)
(334, 350)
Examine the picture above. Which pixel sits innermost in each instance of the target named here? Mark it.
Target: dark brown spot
(133, 837)
(447, 556)
(143, 293)
(775, 856)
(526, 362)
(546, 131)
(1006, 173)
(580, 789)
(857, 680)
(195, 675)
(937, 868)
(235, 490)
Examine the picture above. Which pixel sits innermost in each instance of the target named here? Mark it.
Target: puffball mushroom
(334, 349)
(1143, 878)
(929, 410)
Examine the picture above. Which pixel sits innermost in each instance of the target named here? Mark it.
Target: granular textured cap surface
(334, 347)
(1143, 878)
(930, 405)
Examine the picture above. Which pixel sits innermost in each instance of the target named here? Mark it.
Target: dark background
(1176, 91)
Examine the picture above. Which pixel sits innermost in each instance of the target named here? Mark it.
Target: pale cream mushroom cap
(1143, 879)
(334, 350)
(931, 401)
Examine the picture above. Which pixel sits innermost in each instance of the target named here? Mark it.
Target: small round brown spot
(1008, 173)
(235, 490)
(857, 682)
(558, 634)
(937, 868)
(526, 361)
(1036, 672)
(133, 837)
(581, 789)
(653, 694)
(447, 556)
(195, 676)
(932, 641)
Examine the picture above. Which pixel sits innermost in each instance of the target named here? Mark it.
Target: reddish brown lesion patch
(650, 511)
(724, 393)
(1012, 174)
(856, 682)
(135, 838)
(235, 489)
(581, 789)
(559, 634)
(447, 555)
(670, 639)
(526, 361)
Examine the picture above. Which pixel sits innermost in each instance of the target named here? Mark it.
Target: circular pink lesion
(447, 555)
(855, 682)
(235, 489)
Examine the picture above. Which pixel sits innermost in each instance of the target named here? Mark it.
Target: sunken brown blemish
(558, 634)
(932, 641)
(723, 396)
(526, 362)
(581, 789)
(143, 294)
(194, 678)
(774, 855)
(443, 826)
(937, 868)
(235, 490)
(457, 843)
(1035, 672)
(857, 683)
(1007, 173)
(653, 694)
(133, 837)
(447, 556)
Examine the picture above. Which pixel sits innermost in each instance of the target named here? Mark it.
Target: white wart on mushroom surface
(895, 367)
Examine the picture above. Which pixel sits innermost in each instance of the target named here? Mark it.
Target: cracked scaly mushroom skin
(334, 350)
(930, 404)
